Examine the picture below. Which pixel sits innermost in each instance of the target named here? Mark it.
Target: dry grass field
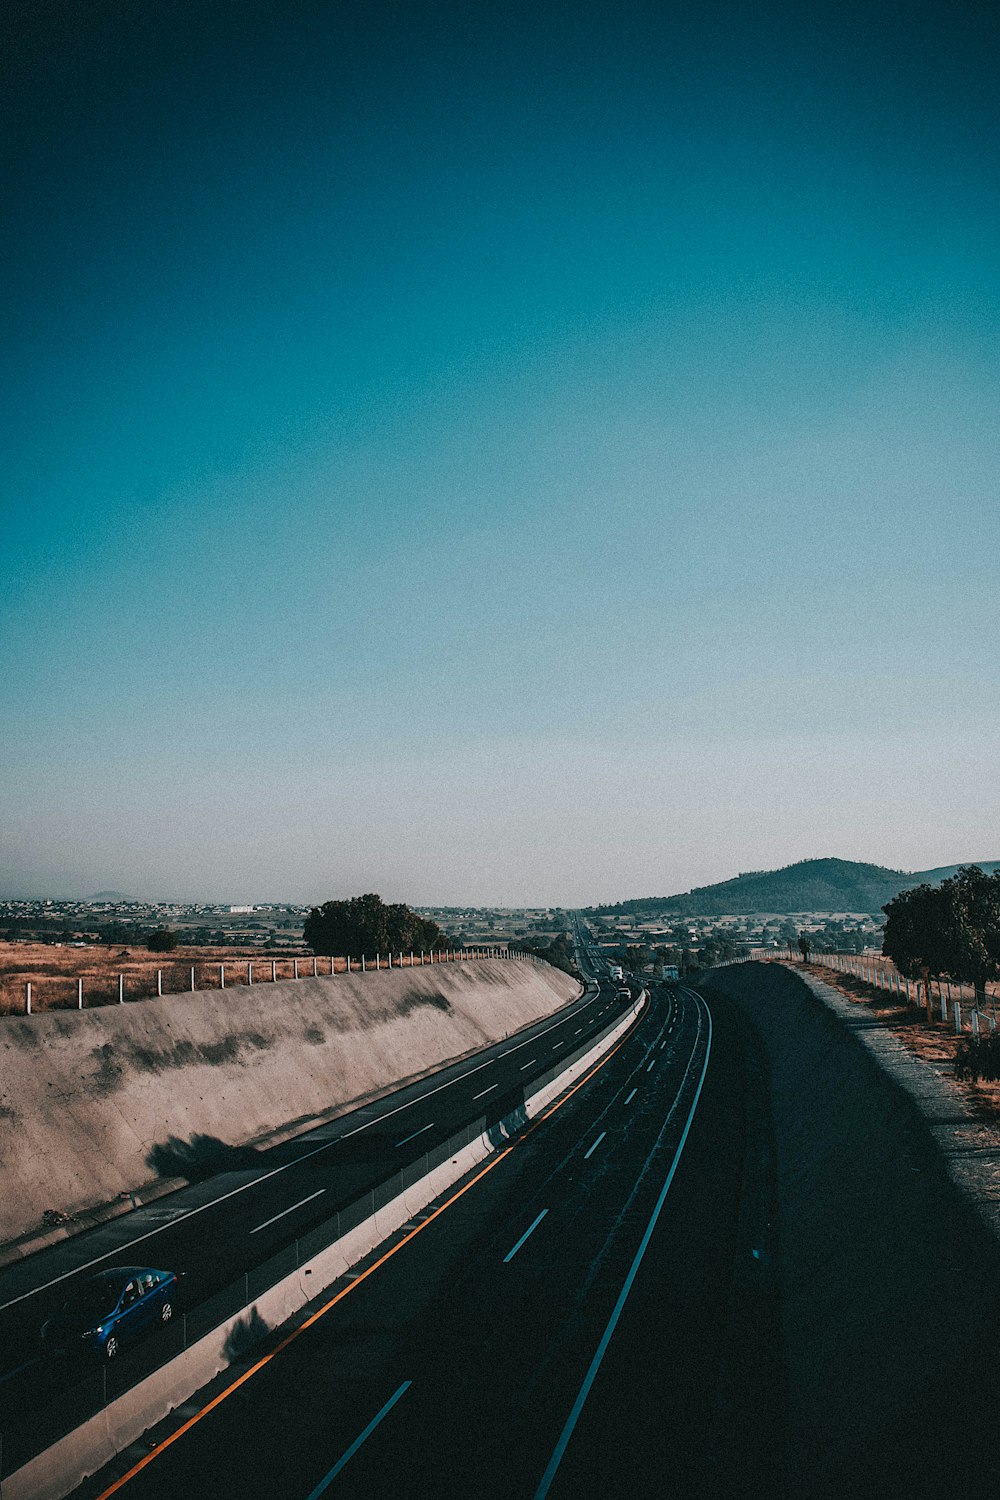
(54, 972)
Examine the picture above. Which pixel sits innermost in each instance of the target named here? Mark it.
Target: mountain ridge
(827, 885)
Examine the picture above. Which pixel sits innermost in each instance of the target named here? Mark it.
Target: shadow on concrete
(200, 1157)
(245, 1334)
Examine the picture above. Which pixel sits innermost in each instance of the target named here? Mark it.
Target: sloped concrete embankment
(57, 1470)
(97, 1104)
(888, 1273)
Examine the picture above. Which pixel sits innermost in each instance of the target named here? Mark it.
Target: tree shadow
(200, 1157)
(245, 1334)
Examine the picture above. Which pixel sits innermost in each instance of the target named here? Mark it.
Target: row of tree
(951, 930)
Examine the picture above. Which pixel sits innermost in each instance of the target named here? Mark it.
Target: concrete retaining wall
(96, 1104)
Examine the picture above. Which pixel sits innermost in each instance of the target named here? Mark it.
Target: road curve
(557, 1323)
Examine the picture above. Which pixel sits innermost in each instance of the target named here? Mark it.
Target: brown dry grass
(53, 972)
(932, 1040)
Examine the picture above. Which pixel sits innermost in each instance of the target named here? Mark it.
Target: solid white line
(361, 1438)
(631, 1096)
(121, 1250)
(530, 1230)
(527, 1064)
(595, 1364)
(413, 1137)
(651, 1066)
(285, 1211)
(595, 1145)
(485, 1092)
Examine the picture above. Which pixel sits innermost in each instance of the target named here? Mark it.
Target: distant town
(113, 919)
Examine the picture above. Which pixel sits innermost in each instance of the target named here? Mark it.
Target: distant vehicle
(110, 1309)
(616, 971)
(624, 994)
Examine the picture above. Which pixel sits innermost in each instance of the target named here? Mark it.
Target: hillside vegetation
(810, 885)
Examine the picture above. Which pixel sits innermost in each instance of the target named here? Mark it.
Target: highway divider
(116, 1404)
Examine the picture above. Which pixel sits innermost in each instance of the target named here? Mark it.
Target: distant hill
(105, 896)
(811, 885)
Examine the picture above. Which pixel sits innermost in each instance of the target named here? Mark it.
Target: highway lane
(502, 1347)
(234, 1220)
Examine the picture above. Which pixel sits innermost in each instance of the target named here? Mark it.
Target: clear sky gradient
(499, 454)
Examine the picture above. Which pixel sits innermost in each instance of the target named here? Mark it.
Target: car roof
(119, 1273)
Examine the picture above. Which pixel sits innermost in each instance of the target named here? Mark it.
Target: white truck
(616, 971)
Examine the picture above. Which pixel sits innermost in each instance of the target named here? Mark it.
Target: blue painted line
(651, 1066)
(631, 1096)
(416, 1133)
(363, 1438)
(594, 1147)
(602, 1348)
(530, 1230)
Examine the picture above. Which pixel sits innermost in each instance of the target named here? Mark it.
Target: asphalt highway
(563, 1323)
(250, 1204)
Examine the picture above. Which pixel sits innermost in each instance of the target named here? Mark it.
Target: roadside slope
(105, 1102)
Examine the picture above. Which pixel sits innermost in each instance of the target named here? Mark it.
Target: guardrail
(98, 1390)
(175, 979)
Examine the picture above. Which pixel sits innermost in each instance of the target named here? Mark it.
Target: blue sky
(498, 454)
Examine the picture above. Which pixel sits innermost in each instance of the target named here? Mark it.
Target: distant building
(240, 909)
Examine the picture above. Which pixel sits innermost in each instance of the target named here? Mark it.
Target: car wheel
(111, 1348)
(166, 1313)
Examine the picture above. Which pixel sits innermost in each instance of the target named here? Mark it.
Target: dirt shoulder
(919, 1055)
(932, 1041)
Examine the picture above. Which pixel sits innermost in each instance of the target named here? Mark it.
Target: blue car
(110, 1309)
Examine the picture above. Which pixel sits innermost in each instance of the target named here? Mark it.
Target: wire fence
(953, 1001)
(67, 992)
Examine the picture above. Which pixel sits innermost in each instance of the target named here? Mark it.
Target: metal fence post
(975, 1024)
(295, 968)
(159, 982)
(222, 976)
(274, 971)
(121, 989)
(27, 998)
(314, 966)
(249, 971)
(192, 979)
(944, 1003)
(958, 1016)
(362, 963)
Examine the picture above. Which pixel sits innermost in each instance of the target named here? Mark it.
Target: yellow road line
(322, 1311)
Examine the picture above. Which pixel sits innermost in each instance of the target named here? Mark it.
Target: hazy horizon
(315, 899)
(524, 456)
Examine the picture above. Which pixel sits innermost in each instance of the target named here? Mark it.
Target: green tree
(971, 940)
(163, 940)
(913, 938)
(805, 943)
(365, 925)
(560, 952)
